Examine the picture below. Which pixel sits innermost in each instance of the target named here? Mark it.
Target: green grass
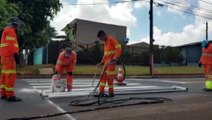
(130, 70)
(32, 69)
(141, 70)
(179, 70)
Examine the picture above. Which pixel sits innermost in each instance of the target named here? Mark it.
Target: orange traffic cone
(120, 77)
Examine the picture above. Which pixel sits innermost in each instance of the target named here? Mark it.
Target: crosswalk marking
(84, 87)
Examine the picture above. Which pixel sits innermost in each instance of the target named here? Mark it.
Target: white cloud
(119, 14)
(158, 13)
(190, 34)
(174, 6)
(141, 4)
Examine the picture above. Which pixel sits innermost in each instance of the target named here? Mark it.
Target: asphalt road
(195, 104)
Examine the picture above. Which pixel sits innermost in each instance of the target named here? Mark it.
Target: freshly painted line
(171, 81)
(159, 80)
(61, 110)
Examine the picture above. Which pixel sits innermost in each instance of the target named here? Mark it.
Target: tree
(6, 12)
(172, 55)
(36, 30)
(96, 53)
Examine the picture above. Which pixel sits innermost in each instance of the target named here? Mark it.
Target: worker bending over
(66, 61)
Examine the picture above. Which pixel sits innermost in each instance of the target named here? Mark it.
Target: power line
(206, 16)
(193, 6)
(103, 3)
(205, 2)
(203, 15)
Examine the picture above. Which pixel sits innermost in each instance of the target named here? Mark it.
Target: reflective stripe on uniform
(109, 52)
(9, 89)
(69, 83)
(8, 71)
(118, 46)
(2, 86)
(4, 45)
(16, 45)
(102, 84)
(110, 72)
(110, 86)
(59, 62)
(10, 38)
(209, 76)
(207, 54)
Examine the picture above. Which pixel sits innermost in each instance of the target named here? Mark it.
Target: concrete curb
(129, 76)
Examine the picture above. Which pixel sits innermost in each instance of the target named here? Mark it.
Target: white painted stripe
(79, 85)
(88, 90)
(171, 81)
(61, 110)
(160, 80)
(160, 89)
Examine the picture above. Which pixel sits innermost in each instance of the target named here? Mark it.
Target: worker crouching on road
(66, 61)
(9, 51)
(112, 51)
(206, 60)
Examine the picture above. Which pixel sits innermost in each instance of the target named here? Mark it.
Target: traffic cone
(120, 77)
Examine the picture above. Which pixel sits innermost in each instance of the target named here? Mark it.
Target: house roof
(72, 23)
(192, 44)
(141, 44)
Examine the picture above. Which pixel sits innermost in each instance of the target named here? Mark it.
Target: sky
(174, 24)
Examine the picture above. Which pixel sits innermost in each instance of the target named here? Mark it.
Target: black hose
(101, 100)
(80, 102)
(116, 103)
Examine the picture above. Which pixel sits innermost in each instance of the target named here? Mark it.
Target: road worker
(206, 60)
(9, 51)
(66, 61)
(112, 51)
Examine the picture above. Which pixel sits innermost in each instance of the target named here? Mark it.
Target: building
(191, 53)
(84, 32)
(137, 48)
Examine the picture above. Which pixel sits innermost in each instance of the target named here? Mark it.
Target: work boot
(69, 90)
(99, 95)
(3, 97)
(111, 95)
(14, 99)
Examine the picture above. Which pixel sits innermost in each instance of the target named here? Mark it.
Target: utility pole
(151, 38)
(206, 30)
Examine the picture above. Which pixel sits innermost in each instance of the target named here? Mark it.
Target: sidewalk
(32, 105)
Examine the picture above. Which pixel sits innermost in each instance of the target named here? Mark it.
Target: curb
(129, 76)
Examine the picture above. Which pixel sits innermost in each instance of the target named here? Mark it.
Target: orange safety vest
(9, 43)
(112, 50)
(206, 57)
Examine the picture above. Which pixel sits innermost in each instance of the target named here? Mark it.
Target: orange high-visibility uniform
(68, 64)
(206, 59)
(203, 61)
(112, 50)
(8, 47)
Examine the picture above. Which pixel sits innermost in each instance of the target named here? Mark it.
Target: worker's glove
(16, 57)
(99, 65)
(199, 64)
